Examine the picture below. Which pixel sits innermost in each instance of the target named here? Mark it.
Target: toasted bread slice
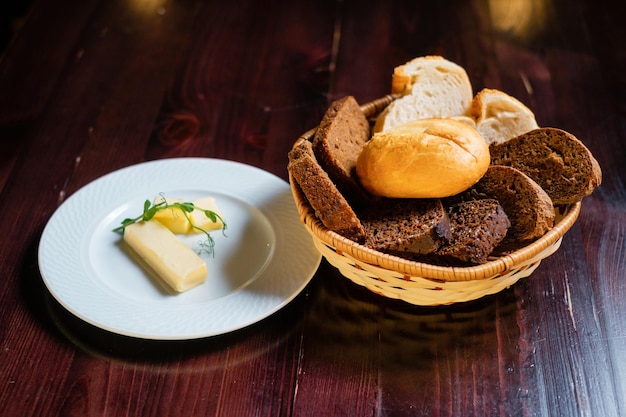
(329, 204)
(555, 159)
(406, 227)
(528, 207)
(337, 143)
(476, 228)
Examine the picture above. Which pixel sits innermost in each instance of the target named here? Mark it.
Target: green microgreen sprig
(150, 209)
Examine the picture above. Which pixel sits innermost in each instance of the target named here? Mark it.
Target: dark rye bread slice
(405, 227)
(337, 143)
(476, 228)
(558, 161)
(528, 207)
(328, 203)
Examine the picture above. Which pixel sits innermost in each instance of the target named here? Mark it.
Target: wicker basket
(420, 283)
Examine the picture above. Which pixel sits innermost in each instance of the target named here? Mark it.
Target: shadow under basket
(421, 283)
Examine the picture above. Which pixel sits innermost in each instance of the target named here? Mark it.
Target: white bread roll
(500, 117)
(427, 158)
(430, 86)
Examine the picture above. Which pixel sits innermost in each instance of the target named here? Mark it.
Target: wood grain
(89, 87)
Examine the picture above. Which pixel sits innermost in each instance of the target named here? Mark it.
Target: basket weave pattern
(420, 283)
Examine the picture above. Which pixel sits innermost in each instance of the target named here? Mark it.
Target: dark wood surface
(87, 87)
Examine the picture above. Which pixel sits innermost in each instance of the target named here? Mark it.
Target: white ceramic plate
(265, 259)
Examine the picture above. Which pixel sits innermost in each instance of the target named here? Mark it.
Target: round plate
(261, 262)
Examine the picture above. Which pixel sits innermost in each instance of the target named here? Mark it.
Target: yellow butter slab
(200, 220)
(173, 261)
(172, 217)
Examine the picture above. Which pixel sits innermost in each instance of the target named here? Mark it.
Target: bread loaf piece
(476, 228)
(329, 205)
(430, 86)
(337, 143)
(499, 116)
(406, 226)
(426, 158)
(560, 163)
(526, 204)
(426, 70)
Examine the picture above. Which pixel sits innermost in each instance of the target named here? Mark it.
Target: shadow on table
(352, 320)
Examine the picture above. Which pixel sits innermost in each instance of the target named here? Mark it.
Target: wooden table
(88, 87)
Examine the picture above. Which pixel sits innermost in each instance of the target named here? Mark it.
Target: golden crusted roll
(427, 158)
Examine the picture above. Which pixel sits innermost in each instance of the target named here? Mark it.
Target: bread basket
(421, 283)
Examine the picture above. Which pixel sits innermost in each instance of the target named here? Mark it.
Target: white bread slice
(430, 87)
(427, 70)
(499, 116)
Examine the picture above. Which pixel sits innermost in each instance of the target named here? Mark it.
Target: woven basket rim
(490, 269)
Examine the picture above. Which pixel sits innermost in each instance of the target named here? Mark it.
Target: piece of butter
(172, 217)
(179, 266)
(199, 218)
